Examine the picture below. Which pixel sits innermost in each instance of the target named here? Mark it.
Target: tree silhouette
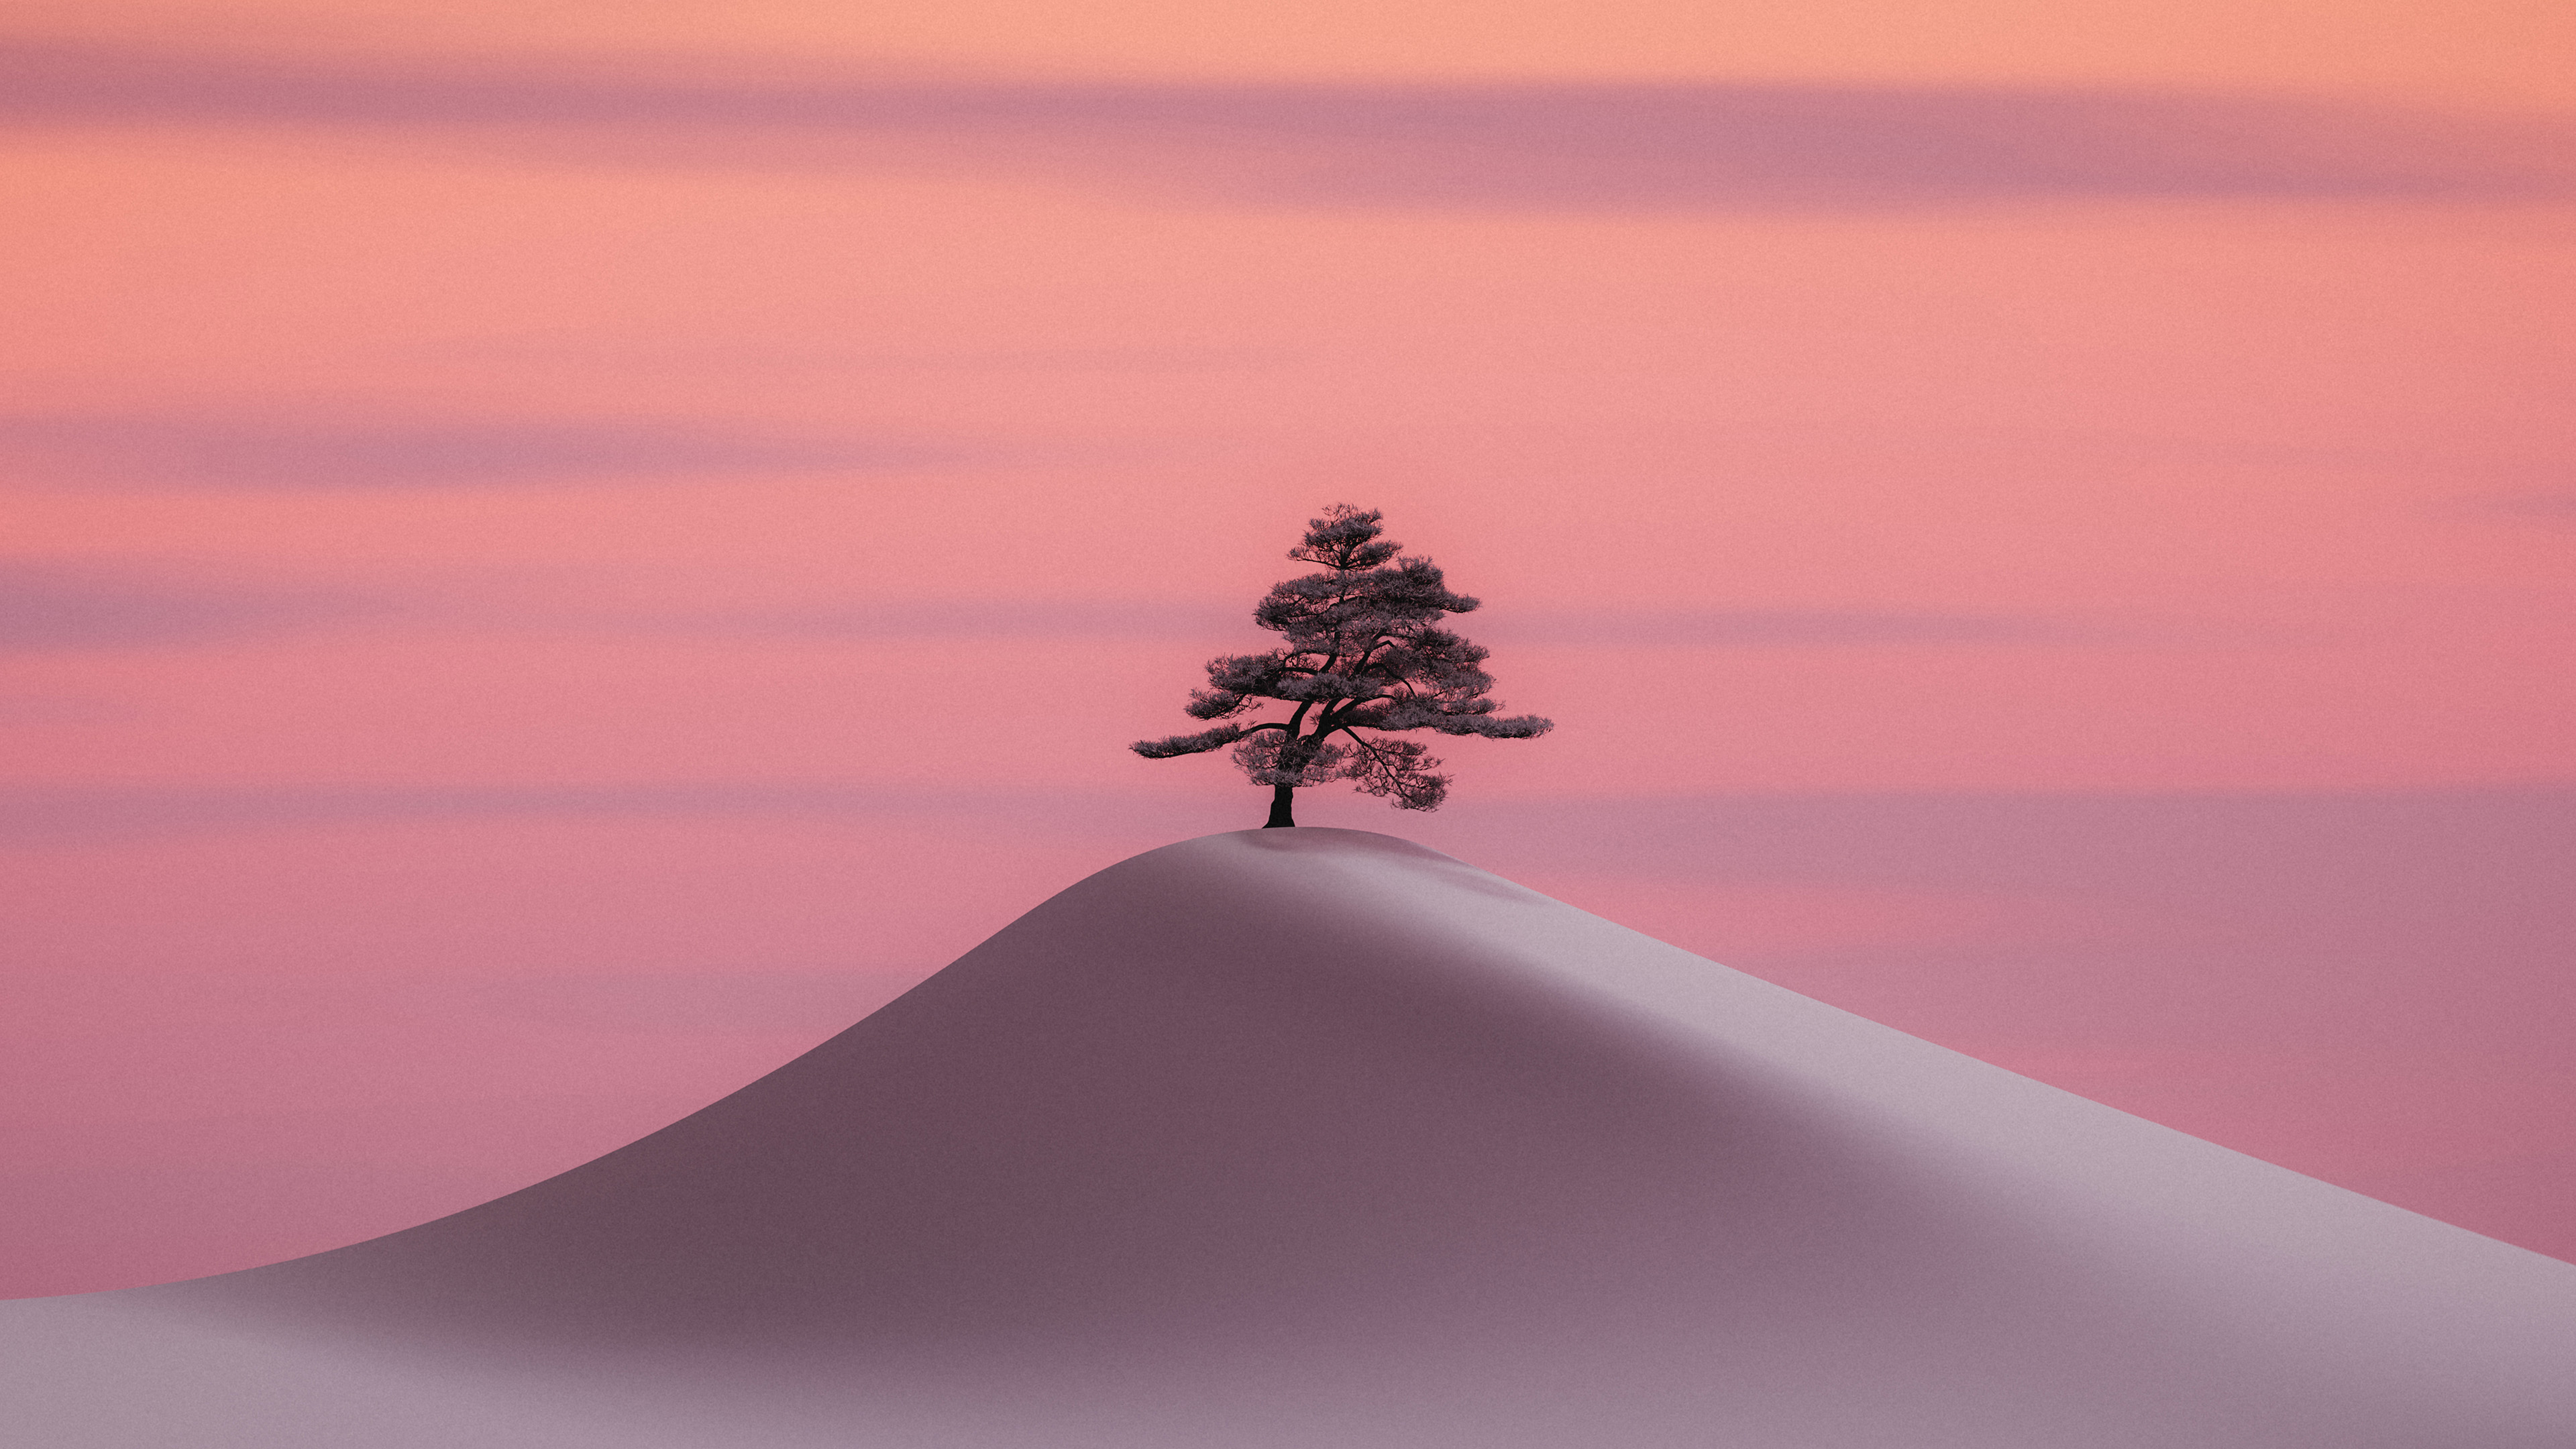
(1366, 651)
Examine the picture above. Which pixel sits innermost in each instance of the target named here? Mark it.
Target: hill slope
(1317, 1138)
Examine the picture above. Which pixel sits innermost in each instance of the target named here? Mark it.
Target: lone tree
(1366, 657)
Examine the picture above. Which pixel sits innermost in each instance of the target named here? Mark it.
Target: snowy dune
(1318, 1138)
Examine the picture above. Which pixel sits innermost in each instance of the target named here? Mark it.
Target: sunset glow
(557, 555)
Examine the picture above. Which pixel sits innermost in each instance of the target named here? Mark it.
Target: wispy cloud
(328, 452)
(984, 618)
(662, 356)
(48, 606)
(1231, 625)
(1802, 628)
(1879, 838)
(2543, 507)
(1536, 146)
(37, 813)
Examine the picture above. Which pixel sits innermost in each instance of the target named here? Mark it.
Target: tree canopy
(1366, 655)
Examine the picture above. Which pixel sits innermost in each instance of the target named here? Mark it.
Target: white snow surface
(1319, 1138)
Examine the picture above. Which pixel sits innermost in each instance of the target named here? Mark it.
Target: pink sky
(552, 560)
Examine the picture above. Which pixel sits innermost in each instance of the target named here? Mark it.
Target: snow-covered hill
(1316, 1138)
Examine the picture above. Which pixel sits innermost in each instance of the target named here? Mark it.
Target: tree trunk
(1281, 797)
